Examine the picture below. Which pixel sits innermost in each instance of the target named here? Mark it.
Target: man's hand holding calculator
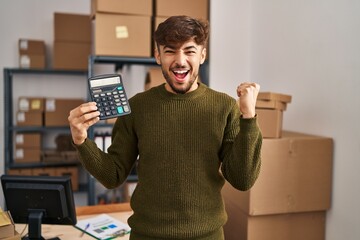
(109, 101)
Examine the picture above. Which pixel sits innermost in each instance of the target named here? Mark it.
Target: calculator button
(126, 108)
(120, 110)
(119, 88)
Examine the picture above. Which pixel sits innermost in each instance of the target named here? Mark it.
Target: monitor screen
(39, 199)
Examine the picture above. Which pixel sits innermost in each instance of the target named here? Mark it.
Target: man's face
(180, 65)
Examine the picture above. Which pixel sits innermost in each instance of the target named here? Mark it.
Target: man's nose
(180, 59)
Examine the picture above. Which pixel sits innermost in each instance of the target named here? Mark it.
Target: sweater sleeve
(112, 168)
(241, 152)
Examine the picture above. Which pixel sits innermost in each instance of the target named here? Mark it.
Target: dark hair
(179, 29)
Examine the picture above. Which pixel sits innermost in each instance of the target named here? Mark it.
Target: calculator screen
(104, 81)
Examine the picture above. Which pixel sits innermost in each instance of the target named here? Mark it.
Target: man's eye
(169, 51)
(190, 52)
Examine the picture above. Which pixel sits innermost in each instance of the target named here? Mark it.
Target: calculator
(109, 94)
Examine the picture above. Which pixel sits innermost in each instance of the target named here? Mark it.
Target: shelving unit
(10, 128)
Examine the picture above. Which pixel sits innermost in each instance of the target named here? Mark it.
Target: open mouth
(180, 74)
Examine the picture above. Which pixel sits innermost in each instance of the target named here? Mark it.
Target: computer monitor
(39, 199)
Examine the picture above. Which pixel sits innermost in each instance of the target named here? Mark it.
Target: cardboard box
(196, 9)
(57, 110)
(27, 155)
(32, 61)
(20, 171)
(154, 78)
(28, 140)
(294, 226)
(7, 226)
(31, 47)
(132, 7)
(69, 171)
(295, 176)
(274, 96)
(33, 104)
(271, 104)
(122, 35)
(71, 55)
(50, 171)
(72, 27)
(29, 119)
(270, 122)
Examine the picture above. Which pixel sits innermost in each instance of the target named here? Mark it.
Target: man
(188, 139)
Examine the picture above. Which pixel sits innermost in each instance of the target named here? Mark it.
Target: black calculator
(109, 93)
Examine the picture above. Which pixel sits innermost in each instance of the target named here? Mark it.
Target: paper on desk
(102, 226)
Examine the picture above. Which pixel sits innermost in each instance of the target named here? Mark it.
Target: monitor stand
(34, 221)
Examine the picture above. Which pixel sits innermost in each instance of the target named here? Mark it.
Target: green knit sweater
(182, 142)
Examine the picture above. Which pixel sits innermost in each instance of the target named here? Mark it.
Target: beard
(183, 88)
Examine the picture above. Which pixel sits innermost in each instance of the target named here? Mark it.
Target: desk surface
(66, 232)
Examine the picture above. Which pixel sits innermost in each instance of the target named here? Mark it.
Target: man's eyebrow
(185, 48)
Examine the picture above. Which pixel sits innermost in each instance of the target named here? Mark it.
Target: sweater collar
(190, 95)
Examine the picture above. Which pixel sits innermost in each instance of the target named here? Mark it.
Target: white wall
(309, 49)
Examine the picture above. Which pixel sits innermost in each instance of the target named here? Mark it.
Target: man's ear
(203, 55)
(157, 55)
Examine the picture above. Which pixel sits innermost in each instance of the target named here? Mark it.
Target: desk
(121, 211)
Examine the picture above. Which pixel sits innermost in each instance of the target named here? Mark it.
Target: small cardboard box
(271, 104)
(31, 47)
(20, 171)
(7, 226)
(131, 7)
(29, 119)
(27, 155)
(274, 96)
(69, 171)
(71, 55)
(122, 35)
(32, 61)
(57, 110)
(270, 122)
(50, 171)
(196, 9)
(294, 226)
(295, 176)
(31, 104)
(154, 78)
(28, 140)
(72, 27)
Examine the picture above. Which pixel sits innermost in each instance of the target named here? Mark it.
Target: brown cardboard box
(31, 47)
(295, 176)
(29, 118)
(27, 155)
(7, 226)
(122, 35)
(57, 110)
(28, 140)
(20, 171)
(154, 78)
(71, 55)
(132, 7)
(270, 122)
(196, 9)
(72, 27)
(274, 96)
(33, 104)
(271, 104)
(32, 61)
(69, 171)
(50, 171)
(294, 226)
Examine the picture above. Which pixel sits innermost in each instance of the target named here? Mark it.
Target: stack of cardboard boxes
(290, 198)
(72, 41)
(32, 54)
(37, 112)
(122, 28)
(7, 227)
